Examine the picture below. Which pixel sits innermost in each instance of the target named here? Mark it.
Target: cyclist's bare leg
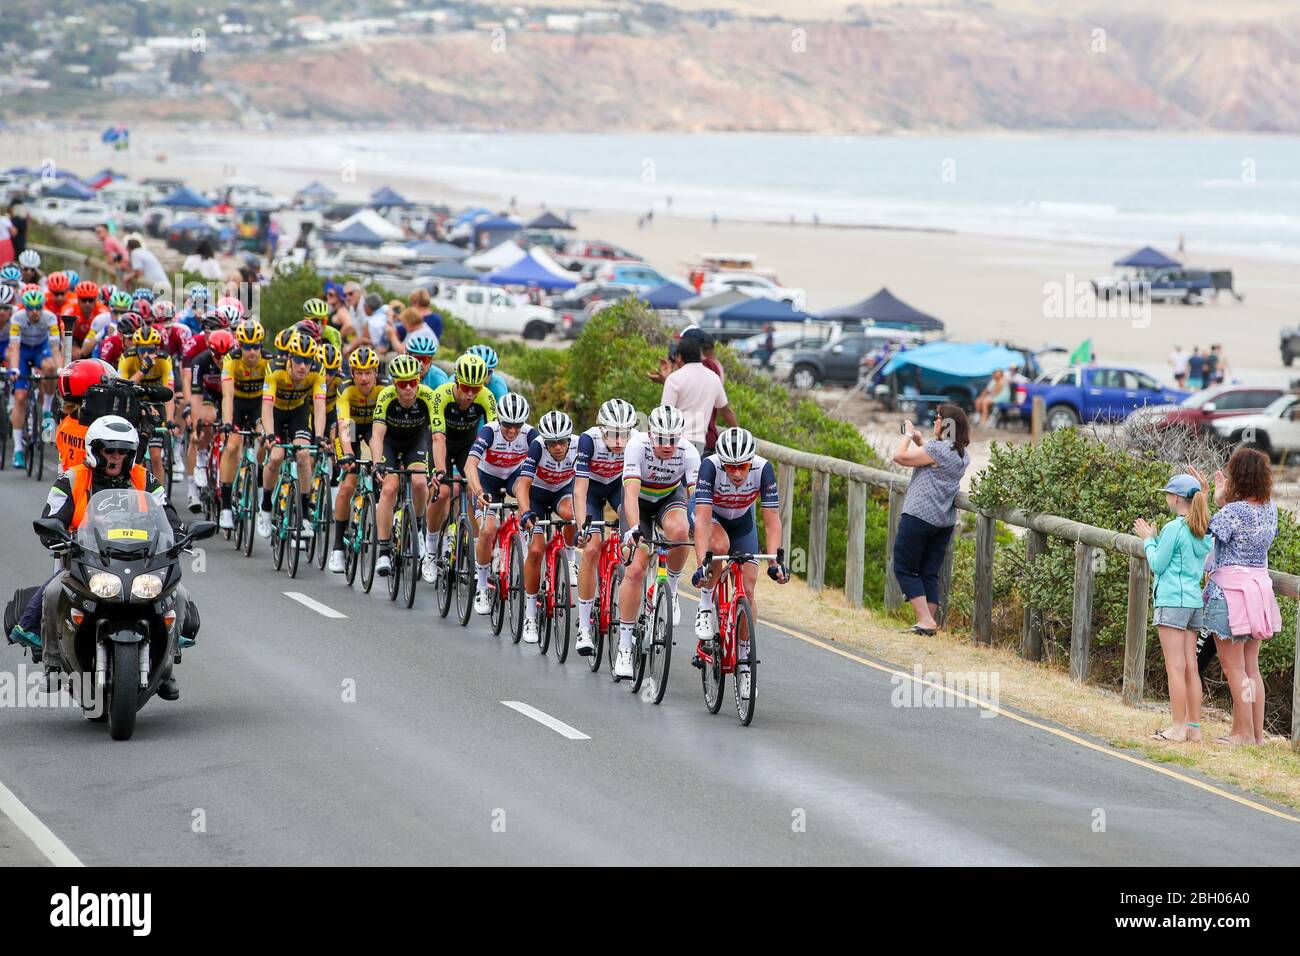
(387, 502)
(230, 453)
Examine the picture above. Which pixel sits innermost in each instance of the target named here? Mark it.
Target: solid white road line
(54, 849)
(322, 609)
(559, 726)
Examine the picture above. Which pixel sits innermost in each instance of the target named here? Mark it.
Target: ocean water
(1232, 193)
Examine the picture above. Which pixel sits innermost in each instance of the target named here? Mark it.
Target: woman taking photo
(928, 511)
(1240, 608)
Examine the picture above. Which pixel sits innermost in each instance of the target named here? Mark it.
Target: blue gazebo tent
(356, 234)
(885, 308)
(315, 190)
(452, 269)
(758, 310)
(497, 227)
(529, 272)
(1147, 258)
(70, 189)
(430, 249)
(384, 196)
(186, 198)
(668, 296)
(956, 359)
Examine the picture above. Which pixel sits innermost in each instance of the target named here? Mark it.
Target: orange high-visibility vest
(80, 478)
(70, 440)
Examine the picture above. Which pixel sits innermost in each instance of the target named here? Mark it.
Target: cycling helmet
(403, 367)
(230, 313)
(147, 337)
(87, 290)
(471, 370)
(109, 433)
(29, 259)
(363, 358)
(735, 446)
(513, 409)
(282, 339)
(616, 415)
(422, 344)
(250, 332)
(220, 342)
(486, 352)
(120, 302)
(196, 294)
(329, 356)
(309, 329)
(299, 346)
(57, 282)
(106, 291)
(229, 301)
(128, 323)
(315, 309)
(163, 311)
(668, 421)
(12, 274)
(143, 293)
(555, 426)
(211, 320)
(74, 379)
(33, 299)
(145, 308)
(6, 297)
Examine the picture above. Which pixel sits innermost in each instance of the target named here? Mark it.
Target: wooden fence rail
(1090, 543)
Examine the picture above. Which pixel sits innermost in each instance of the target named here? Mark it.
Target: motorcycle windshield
(125, 520)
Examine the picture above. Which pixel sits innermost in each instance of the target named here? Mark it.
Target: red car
(1220, 401)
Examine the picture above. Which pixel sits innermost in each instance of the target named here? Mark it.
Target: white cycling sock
(46, 402)
(584, 611)
(481, 575)
(431, 541)
(626, 635)
(572, 555)
(530, 606)
(672, 582)
(706, 599)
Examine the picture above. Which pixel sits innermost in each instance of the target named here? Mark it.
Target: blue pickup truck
(1090, 393)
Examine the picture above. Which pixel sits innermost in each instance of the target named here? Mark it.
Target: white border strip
(322, 609)
(54, 849)
(559, 726)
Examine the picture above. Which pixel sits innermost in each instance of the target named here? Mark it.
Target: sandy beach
(1026, 292)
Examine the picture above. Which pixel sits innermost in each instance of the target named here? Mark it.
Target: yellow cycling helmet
(282, 339)
(363, 358)
(315, 309)
(328, 355)
(300, 346)
(471, 370)
(146, 336)
(403, 367)
(250, 332)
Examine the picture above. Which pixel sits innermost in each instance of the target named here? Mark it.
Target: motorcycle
(116, 631)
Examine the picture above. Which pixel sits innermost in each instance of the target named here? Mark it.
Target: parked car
(753, 285)
(488, 309)
(1095, 394)
(1197, 412)
(184, 235)
(636, 275)
(1173, 284)
(573, 308)
(1274, 430)
(833, 363)
(585, 255)
(73, 214)
(785, 340)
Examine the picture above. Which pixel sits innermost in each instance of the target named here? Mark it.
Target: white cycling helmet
(512, 409)
(6, 295)
(111, 433)
(555, 426)
(735, 446)
(667, 420)
(29, 259)
(616, 415)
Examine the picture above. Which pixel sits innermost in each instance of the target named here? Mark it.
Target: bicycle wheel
(603, 611)
(278, 506)
(30, 432)
(410, 558)
(745, 631)
(168, 459)
(562, 613)
(464, 571)
(324, 521)
(516, 590)
(446, 559)
(311, 516)
(497, 616)
(293, 531)
(246, 496)
(660, 652)
(611, 636)
(40, 445)
(351, 549)
(369, 544)
(395, 571)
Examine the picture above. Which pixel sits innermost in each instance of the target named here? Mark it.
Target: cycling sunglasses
(407, 383)
(670, 441)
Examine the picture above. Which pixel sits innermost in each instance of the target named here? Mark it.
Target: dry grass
(1271, 770)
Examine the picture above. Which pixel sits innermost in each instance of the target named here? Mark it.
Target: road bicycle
(34, 437)
(210, 493)
(653, 635)
(505, 579)
(244, 491)
(361, 540)
(606, 609)
(554, 595)
(456, 554)
(6, 426)
(286, 507)
(408, 528)
(718, 657)
(321, 510)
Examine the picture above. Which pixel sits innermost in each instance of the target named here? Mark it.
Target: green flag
(1083, 354)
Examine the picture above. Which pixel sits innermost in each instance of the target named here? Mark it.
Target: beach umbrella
(314, 190)
(70, 189)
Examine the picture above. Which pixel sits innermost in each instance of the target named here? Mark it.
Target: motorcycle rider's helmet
(109, 433)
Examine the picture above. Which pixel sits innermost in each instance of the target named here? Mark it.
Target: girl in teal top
(1177, 561)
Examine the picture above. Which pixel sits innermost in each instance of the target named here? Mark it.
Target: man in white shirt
(696, 391)
(1178, 362)
(145, 268)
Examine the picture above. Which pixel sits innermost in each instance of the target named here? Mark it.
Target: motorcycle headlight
(146, 587)
(105, 585)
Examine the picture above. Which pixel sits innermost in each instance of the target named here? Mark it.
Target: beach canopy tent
(498, 257)
(314, 190)
(186, 198)
(549, 264)
(383, 196)
(956, 359)
(374, 222)
(451, 269)
(357, 234)
(758, 310)
(495, 228)
(1147, 258)
(190, 223)
(549, 220)
(718, 300)
(885, 308)
(670, 295)
(470, 214)
(529, 272)
(429, 249)
(70, 189)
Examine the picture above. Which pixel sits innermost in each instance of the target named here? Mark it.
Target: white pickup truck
(752, 284)
(488, 309)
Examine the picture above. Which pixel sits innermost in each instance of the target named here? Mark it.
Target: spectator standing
(19, 220)
(1211, 372)
(1220, 365)
(929, 512)
(1196, 370)
(1177, 559)
(1240, 608)
(1178, 363)
(696, 391)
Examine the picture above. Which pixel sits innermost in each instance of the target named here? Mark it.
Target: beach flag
(1083, 354)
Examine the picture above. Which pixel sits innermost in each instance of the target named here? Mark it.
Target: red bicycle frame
(553, 545)
(609, 557)
(507, 531)
(728, 591)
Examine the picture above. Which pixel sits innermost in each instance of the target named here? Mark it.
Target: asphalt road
(262, 761)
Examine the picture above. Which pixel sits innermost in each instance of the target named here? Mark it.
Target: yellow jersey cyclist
(147, 364)
(356, 411)
(598, 481)
(330, 360)
(287, 416)
(461, 408)
(731, 482)
(400, 437)
(545, 487)
(659, 471)
(243, 377)
(491, 469)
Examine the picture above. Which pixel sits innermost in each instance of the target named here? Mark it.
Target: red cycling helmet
(74, 379)
(57, 282)
(221, 341)
(87, 290)
(145, 310)
(310, 329)
(163, 311)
